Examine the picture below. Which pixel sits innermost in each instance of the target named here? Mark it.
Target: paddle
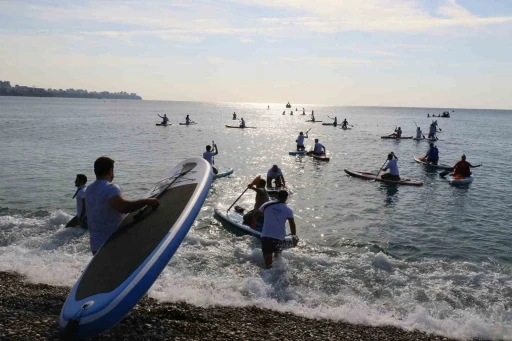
(376, 176)
(256, 180)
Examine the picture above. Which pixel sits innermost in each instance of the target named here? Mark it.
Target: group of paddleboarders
(165, 120)
(318, 148)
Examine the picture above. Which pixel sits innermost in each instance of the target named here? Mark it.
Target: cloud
(246, 40)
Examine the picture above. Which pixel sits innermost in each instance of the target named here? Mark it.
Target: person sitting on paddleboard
(261, 198)
(432, 131)
(462, 168)
(242, 122)
(432, 155)
(208, 156)
(234, 115)
(392, 165)
(344, 124)
(187, 120)
(300, 141)
(319, 149)
(274, 226)
(419, 133)
(164, 119)
(275, 174)
(80, 219)
(397, 133)
(106, 207)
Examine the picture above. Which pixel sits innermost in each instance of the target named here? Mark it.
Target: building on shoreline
(7, 90)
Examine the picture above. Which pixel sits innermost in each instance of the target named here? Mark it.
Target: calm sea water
(436, 258)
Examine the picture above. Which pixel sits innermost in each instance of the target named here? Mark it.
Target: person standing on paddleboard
(80, 219)
(234, 115)
(106, 207)
(432, 131)
(300, 141)
(261, 198)
(432, 155)
(274, 226)
(275, 174)
(344, 124)
(208, 156)
(392, 165)
(463, 168)
(164, 119)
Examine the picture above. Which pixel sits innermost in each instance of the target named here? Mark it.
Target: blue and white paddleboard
(132, 258)
(223, 174)
(298, 152)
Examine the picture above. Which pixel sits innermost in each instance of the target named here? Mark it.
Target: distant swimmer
(164, 119)
(80, 219)
(261, 198)
(234, 115)
(344, 124)
(432, 155)
(208, 156)
(318, 149)
(392, 165)
(275, 174)
(397, 133)
(274, 226)
(300, 141)
(463, 168)
(242, 122)
(106, 207)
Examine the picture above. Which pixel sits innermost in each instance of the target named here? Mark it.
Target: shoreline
(31, 312)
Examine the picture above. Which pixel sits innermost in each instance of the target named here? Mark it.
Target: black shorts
(300, 147)
(270, 245)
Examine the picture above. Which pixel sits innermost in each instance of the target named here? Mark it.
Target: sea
(436, 258)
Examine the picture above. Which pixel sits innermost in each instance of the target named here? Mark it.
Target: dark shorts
(300, 147)
(270, 245)
(388, 176)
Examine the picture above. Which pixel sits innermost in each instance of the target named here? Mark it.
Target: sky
(408, 53)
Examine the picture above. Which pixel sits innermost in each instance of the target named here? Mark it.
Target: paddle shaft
(233, 204)
(376, 176)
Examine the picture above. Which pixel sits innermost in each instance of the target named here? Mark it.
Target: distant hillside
(7, 90)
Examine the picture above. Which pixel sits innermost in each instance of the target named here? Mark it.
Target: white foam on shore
(455, 299)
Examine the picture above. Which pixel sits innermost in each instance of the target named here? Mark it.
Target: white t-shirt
(208, 156)
(318, 148)
(392, 165)
(80, 194)
(300, 140)
(274, 175)
(275, 217)
(101, 217)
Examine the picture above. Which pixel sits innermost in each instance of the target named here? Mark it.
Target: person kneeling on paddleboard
(319, 149)
(463, 168)
(242, 122)
(419, 133)
(432, 155)
(187, 120)
(300, 141)
(274, 226)
(275, 174)
(208, 156)
(261, 198)
(392, 165)
(106, 207)
(397, 133)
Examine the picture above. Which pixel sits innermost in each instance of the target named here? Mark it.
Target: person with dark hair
(432, 155)
(300, 141)
(164, 118)
(261, 198)
(208, 156)
(463, 168)
(318, 149)
(106, 207)
(275, 213)
(276, 175)
(392, 165)
(80, 219)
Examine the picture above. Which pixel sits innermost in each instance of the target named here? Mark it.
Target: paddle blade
(256, 180)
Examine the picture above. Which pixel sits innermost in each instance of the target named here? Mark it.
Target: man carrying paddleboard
(463, 168)
(392, 165)
(208, 156)
(274, 229)
(432, 155)
(300, 141)
(106, 207)
(258, 185)
(275, 174)
(80, 219)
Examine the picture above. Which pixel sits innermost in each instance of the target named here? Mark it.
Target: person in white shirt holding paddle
(275, 213)
(208, 156)
(392, 165)
(300, 141)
